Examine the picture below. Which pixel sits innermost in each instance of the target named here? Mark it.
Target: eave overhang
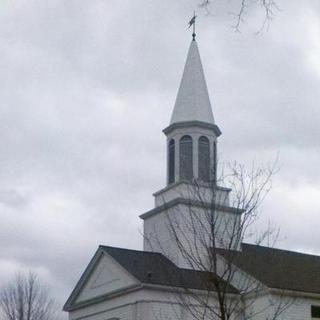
(189, 202)
(189, 124)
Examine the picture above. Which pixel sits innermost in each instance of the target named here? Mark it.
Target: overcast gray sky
(86, 88)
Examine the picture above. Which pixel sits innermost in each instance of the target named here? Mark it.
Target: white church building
(194, 264)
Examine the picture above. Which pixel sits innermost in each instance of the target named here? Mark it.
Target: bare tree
(207, 233)
(241, 8)
(25, 298)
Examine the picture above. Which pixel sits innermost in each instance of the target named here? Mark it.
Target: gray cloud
(87, 87)
(11, 198)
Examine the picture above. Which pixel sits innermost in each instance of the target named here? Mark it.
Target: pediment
(103, 276)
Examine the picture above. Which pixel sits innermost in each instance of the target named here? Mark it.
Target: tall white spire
(192, 102)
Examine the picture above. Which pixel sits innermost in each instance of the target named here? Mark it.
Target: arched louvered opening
(215, 161)
(204, 159)
(186, 163)
(171, 152)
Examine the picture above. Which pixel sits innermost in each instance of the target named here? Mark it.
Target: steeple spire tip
(192, 23)
(192, 102)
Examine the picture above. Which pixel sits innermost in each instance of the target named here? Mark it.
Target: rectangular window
(315, 312)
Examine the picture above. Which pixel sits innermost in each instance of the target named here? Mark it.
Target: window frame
(315, 311)
(186, 158)
(204, 159)
(171, 161)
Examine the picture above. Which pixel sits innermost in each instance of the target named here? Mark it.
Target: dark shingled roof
(155, 268)
(280, 269)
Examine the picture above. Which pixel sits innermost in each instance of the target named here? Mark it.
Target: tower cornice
(189, 202)
(194, 123)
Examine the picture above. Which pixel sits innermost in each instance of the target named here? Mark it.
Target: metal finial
(192, 23)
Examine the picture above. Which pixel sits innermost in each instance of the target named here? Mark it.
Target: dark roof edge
(82, 279)
(174, 202)
(298, 293)
(279, 249)
(200, 124)
(105, 248)
(130, 289)
(101, 298)
(173, 288)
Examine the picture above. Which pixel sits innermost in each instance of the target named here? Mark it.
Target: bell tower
(191, 191)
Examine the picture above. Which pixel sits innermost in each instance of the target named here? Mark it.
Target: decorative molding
(71, 303)
(186, 182)
(188, 202)
(104, 268)
(188, 124)
(101, 298)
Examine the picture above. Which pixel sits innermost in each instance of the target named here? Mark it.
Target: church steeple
(192, 186)
(192, 133)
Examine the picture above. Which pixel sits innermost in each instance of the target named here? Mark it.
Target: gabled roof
(155, 268)
(192, 102)
(147, 268)
(280, 269)
(93, 278)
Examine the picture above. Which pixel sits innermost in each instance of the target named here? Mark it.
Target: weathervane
(192, 23)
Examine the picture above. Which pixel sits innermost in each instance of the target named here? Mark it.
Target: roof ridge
(282, 250)
(132, 250)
